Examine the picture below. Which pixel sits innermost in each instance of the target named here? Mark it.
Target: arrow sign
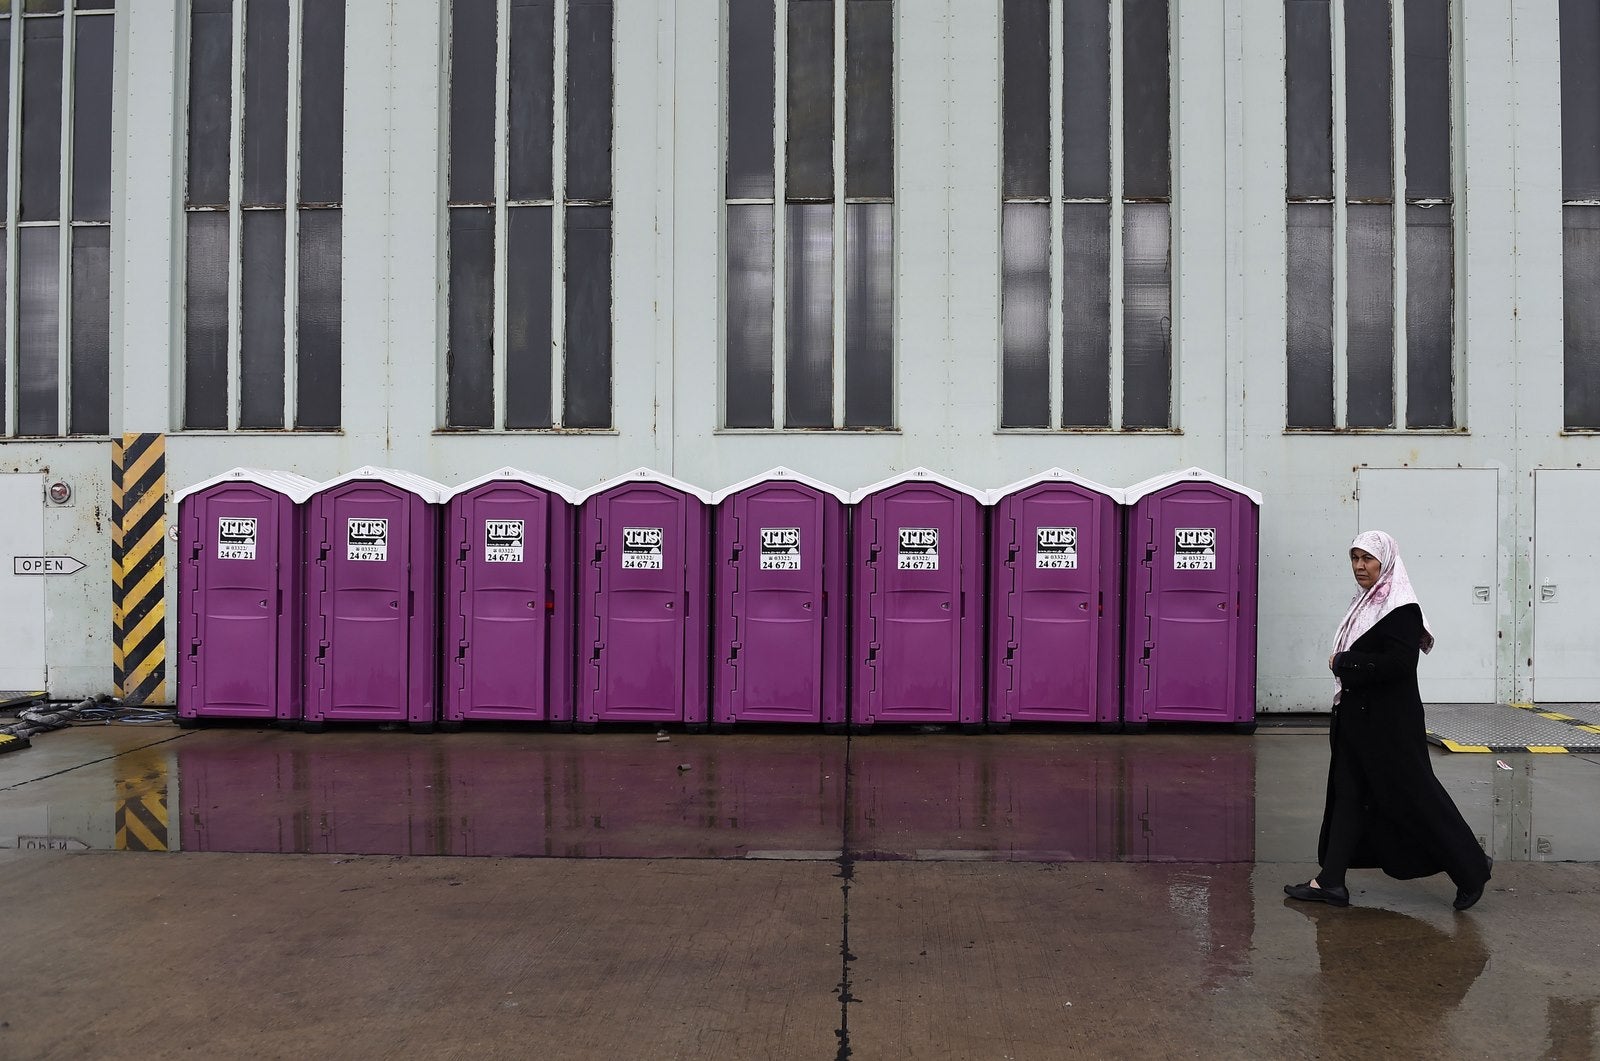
(45, 565)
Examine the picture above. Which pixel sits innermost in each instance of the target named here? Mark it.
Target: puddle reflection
(784, 797)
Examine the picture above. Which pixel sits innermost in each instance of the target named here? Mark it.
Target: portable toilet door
(372, 649)
(645, 594)
(782, 581)
(917, 600)
(239, 601)
(509, 601)
(1190, 653)
(1055, 556)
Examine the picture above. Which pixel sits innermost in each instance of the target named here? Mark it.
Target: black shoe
(1466, 898)
(1306, 893)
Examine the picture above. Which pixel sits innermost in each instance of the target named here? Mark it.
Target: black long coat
(1410, 826)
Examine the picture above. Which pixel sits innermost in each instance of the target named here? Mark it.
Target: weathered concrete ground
(766, 896)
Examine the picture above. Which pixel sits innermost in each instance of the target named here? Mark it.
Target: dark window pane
(869, 315)
(1580, 280)
(1086, 98)
(1310, 310)
(318, 336)
(589, 113)
(205, 354)
(1369, 330)
(1025, 315)
(41, 7)
(1369, 133)
(41, 119)
(1146, 316)
(532, 102)
(470, 401)
(528, 308)
(1309, 121)
(1580, 88)
(1430, 331)
(869, 98)
(90, 409)
(1086, 315)
(810, 100)
(261, 294)
(472, 75)
(266, 102)
(1146, 154)
(322, 102)
(5, 110)
(91, 120)
(750, 287)
(1026, 92)
(95, 5)
(587, 384)
(752, 94)
(1427, 99)
(210, 100)
(38, 330)
(808, 316)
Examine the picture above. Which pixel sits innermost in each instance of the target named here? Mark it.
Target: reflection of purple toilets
(779, 651)
(917, 601)
(372, 608)
(509, 615)
(1055, 553)
(1192, 559)
(240, 609)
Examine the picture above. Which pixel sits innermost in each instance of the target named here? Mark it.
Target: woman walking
(1385, 809)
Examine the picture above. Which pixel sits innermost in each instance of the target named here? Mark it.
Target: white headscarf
(1391, 590)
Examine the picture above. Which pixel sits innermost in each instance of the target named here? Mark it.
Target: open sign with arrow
(46, 565)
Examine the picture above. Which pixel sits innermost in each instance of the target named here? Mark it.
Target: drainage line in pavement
(847, 872)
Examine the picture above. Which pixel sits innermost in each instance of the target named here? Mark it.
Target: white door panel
(1566, 586)
(1446, 521)
(21, 596)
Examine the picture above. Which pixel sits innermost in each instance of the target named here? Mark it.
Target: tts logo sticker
(1058, 549)
(780, 548)
(236, 539)
(1196, 549)
(502, 541)
(641, 548)
(367, 540)
(919, 549)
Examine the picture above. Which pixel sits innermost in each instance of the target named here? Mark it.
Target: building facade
(1339, 252)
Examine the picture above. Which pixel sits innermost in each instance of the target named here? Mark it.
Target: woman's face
(1366, 567)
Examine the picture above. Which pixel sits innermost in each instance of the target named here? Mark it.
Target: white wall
(1229, 280)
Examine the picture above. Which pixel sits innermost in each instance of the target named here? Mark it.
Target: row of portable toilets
(381, 596)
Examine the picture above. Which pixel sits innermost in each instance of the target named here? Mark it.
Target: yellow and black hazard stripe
(142, 801)
(139, 567)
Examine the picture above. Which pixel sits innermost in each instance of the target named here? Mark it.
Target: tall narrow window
(1580, 212)
(1370, 208)
(809, 192)
(55, 232)
(1086, 330)
(264, 189)
(529, 332)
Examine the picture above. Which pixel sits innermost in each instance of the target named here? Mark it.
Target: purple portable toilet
(1055, 554)
(1192, 551)
(372, 599)
(239, 604)
(645, 588)
(509, 600)
(782, 583)
(917, 601)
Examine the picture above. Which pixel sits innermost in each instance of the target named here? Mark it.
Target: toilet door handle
(1547, 592)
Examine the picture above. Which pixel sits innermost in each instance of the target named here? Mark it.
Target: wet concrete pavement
(766, 895)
